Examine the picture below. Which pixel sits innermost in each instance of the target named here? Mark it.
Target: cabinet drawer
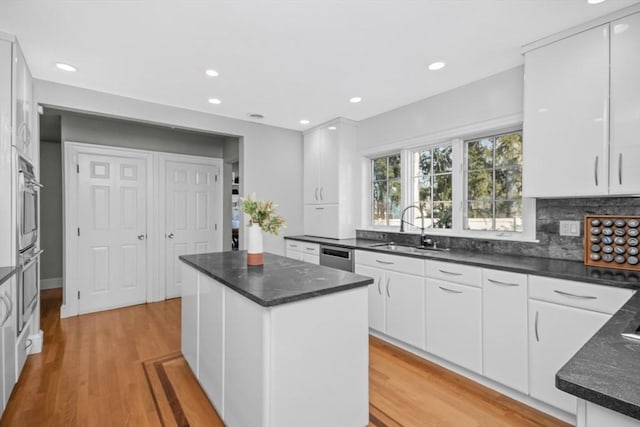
(294, 245)
(457, 273)
(605, 299)
(391, 262)
(310, 248)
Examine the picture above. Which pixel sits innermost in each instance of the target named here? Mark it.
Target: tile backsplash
(549, 213)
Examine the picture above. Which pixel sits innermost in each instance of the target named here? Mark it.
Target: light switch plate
(570, 228)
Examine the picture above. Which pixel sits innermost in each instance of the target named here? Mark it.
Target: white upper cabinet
(566, 92)
(624, 174)
(329, 156)
(25, 137)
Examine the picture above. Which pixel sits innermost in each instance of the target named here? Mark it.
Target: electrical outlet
(570, 228)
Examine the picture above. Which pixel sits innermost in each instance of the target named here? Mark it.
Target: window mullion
(458, 197)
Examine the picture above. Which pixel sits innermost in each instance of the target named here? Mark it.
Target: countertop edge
(277, 301)
(6, 275)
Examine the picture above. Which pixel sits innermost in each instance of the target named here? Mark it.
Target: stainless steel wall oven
(28, 201)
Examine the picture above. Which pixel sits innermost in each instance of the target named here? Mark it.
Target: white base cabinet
(454, 329)
(396, 300)
(504, 328)
(7, 340)
(592, 415)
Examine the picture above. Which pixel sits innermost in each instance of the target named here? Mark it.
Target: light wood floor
(91, 373)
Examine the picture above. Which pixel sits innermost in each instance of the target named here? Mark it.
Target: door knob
(140, 236)
(170, 235)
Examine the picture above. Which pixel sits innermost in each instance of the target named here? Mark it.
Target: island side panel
(320, 361)
(211, 340)
(244, 355)
(190, 322)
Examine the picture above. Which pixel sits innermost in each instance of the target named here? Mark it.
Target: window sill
(479, 235)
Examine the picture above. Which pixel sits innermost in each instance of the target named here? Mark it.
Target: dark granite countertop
(559, 269)
(280, 280)
(6, 273)
(606, 370)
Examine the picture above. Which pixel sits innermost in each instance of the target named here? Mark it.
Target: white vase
(255, 254)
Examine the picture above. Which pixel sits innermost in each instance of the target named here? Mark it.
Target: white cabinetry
(569, 130)
(454, 307)
(7, 339)
(303, 251)
(328, 174)
(566, 94)
(396, 299)
(592, 415)
(563, 316)
(504, 328)
(211, 338)
(25, 137)
(624, 172)
(189, 312)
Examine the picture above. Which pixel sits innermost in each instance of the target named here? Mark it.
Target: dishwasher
(336, 257)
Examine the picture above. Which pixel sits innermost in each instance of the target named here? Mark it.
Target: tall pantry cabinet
(329, 173)
(582, 113)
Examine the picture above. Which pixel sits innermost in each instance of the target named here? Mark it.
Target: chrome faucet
(402, 221)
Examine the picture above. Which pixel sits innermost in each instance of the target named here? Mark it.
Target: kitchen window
(467, 187)
(493, 182)
(386, 190)
(433, 185)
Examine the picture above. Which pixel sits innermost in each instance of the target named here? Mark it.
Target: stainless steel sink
(407, 249)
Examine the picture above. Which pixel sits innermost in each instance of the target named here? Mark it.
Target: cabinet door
(376, 296)
(504, 328)
(23, 104)
(312, 156)
(293, 254)
(210, 339)
(566, 93)
(625, 106)
(556, 333)
(405, 308)
(329, 166)
(453, 323)
(190, 316)
(8, 293)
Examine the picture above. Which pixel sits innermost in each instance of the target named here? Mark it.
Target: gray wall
(120, 133)
(51, 210)
(548, 216)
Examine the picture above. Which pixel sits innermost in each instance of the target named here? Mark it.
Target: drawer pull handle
(536, 327)
(567, 294)
(388, 280)
(450, 290)
(384, 262)
(452, 273)
(497, 282)
(293, 246)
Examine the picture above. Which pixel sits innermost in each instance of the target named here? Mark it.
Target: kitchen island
(284, 344)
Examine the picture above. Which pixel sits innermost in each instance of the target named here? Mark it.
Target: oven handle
(34, 183)
(31, 259)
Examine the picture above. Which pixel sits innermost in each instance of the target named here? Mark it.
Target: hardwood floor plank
(94, 371)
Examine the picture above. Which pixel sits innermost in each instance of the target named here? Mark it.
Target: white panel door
(112, 220)
(191, 222)
(566, 98)
(625, 106)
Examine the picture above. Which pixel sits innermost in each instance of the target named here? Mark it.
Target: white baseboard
(37, 340)
(53, 283)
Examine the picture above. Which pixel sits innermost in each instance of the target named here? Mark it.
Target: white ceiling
(287, 59)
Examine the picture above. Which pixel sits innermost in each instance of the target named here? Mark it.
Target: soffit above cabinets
(285, 60)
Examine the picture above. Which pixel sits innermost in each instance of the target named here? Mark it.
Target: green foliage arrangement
(262, 212)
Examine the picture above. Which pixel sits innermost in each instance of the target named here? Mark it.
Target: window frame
(457, 140)
(372, 181)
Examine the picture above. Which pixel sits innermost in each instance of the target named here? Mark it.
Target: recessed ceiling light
(594, 1)
(439, 65)
(355, 100)
(211, 73)
(304, 122)
(66, 67)
(215, 101)
(332, 128)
